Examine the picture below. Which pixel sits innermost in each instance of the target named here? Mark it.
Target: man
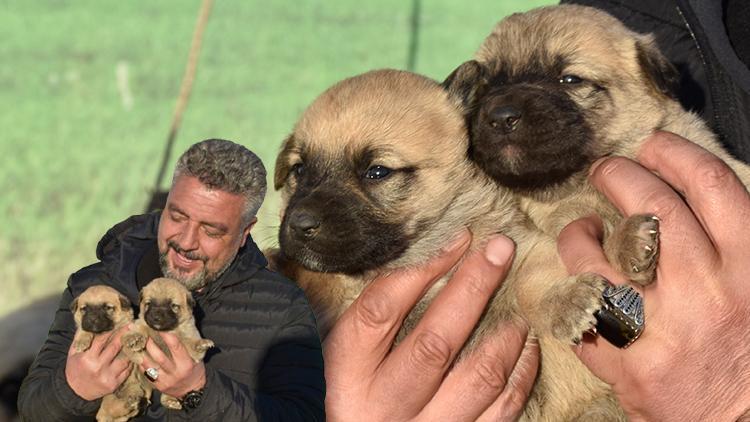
(267, 363)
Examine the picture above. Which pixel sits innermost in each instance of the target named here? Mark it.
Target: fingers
(112, 344)
(511, 402)
(710, 187)
(415, 369)
(477, 381)
(371, 323)
(635, 190)
(579, 246)
(155, 357)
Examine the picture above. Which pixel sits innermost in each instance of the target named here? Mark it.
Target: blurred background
(88, 90)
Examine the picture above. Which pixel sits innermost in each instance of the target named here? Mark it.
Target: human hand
(692, 361)
(97, 371)
(179, 374)
(368, 379)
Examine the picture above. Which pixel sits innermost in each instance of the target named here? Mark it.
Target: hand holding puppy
(692, 361)
(96, 372)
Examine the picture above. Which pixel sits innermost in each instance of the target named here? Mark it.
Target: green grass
(76, 160)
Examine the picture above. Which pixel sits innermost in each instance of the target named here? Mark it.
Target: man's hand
(96, 372)
(692, 361)
(419, 379)
(178, 375)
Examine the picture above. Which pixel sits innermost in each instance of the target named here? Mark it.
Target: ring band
(152, 374)
(620, 320)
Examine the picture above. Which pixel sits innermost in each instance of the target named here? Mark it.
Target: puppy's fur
(375, 176)
(556, 88)
(166, 305)
(102, 309)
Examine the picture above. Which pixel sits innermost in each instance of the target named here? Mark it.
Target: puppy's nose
(304, 224)
(504, 117)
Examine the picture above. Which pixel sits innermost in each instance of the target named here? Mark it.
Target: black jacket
(267, 364)
(707, 41)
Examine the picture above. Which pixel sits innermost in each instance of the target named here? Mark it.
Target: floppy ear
(74, 305)
(124, 301)
(190, 301)
(282, 163)
(466, 83)
(659, 72)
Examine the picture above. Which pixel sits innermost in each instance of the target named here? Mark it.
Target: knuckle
(476, 285)
(662, 204)
(489, 376)
(610, 166)
(712, 173)
(374, 310)
(431, 351)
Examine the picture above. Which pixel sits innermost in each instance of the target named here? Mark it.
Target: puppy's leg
(633, 247)
(134, 342)
(571, 305)
(82, 340)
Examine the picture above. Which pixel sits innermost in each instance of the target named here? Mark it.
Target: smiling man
(267, 363)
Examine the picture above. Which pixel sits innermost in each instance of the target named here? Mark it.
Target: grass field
(87, 89)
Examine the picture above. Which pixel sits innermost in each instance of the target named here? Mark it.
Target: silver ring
(152, 374)
(620, 320)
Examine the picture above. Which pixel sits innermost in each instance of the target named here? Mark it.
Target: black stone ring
(620, 320)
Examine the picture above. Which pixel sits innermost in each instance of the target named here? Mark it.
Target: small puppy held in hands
(554, 89)
(375, 177)
(166, 306)
(102, 309)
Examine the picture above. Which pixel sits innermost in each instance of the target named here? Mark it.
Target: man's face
(200, 232)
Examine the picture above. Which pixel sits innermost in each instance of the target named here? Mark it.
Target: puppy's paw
(170, 402)
(572, 308)
(634, 247)
(134, 341)
(202, 345)
(81, 345)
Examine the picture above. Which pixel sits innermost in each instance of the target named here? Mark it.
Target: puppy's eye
(298, 169)
(570, 79)
(377, 172)
(84, 308)
(109, 308)
(175, 308)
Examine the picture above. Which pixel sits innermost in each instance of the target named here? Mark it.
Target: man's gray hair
(226, 166)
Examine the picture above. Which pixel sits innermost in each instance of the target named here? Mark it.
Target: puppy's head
(554, 89)
(166, 304)
(101, 308)
(371, 165)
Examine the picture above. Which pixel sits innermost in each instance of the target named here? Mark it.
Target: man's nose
(188, 239)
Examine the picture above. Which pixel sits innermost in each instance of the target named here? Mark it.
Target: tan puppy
(102, 309)
(556, 88)
(166, 307)
(375, 177)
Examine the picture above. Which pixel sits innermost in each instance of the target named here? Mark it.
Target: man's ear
(466, 84)
(282, 168)
(659, 73)
(246, 230)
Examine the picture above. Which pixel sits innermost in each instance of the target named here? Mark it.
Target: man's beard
(198, 280)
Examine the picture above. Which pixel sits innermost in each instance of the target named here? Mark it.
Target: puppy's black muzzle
(96, 320)
(161, 317)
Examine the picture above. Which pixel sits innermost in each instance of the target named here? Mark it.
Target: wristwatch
(192, 399)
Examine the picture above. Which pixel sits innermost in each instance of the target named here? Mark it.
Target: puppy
(554, 89)
(375, 176)
(166, 306)
(102, 309)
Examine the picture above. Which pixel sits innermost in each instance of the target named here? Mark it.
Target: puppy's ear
(74, 305)
(124, 301)
(466, 83)
(661, 75)
(282, 163)
(190, 301)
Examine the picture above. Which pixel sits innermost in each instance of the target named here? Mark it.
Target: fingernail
(499, 250)
(461, 239)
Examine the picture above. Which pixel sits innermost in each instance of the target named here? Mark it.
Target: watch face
(192, 399)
